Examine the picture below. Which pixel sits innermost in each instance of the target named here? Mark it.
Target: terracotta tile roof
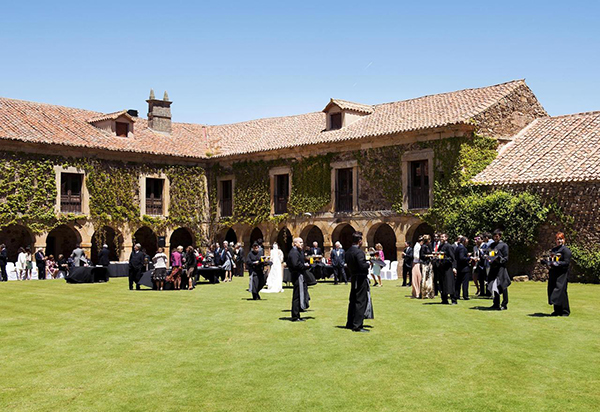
(422, 113)
(111, 116)
(346, 105)
(550, 149)
(44, 123)
(51, 124)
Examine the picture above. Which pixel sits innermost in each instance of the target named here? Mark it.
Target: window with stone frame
(418, 185)
(70, 192)
(226, 200)
(282, 193)
(122, 129)
(344, 190)
(154, 196)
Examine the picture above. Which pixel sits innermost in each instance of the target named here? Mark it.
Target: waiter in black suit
(136, 266)
(296, 263)
(463, 269)
(359, 291)
(40, 262)
(104, 256)
(315, 250)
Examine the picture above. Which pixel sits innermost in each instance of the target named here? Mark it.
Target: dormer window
(118, 124)
(335, 121)
(341, 113)
(122, 129)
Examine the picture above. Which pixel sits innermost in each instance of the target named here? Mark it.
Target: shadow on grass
(541, 315)
(302, 311)
(289, 319)
(364, 326)
(254, 299)
(484, 308)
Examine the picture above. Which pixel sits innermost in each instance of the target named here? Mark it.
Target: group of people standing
(446, 269)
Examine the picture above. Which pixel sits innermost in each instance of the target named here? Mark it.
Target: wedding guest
(498, 279)
(78, 256)
(3, 263)
(104, 256)
(360, 305)
(379, 257)
(227, 262)
(338, 262)
(476, 259)
(40, 263)
(21, 264)
(416, 270)
(463, 268)
(255, 266)
(558, 277)
(136, 266)
(407, 259)
(51, 267)
(427, 276)
(176, 267)
(239, 259)
(190, 266)
(315, 250)
(63, 266)
(160, 269)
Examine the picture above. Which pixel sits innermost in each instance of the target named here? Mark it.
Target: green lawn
(101, 347)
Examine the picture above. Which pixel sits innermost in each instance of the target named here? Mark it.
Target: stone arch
(313, 233)
(112, 238)
(255, 234)
(231, 236)
(384, 234)
(147, 238)
(62, 240)
(14, 237)
(284, 240)
(417, 230)
(343, 233)
(181, 237)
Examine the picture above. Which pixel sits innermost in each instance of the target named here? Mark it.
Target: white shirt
(160, 261)
(417, 252)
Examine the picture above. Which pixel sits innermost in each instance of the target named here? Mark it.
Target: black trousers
(339, 274)
(406, 274)
(462, 281)
(134, 277)
(358, 302)
(41, 271)
(504, 299)
(482, 279)
(4, 274)
(445, 296)
(296, 300)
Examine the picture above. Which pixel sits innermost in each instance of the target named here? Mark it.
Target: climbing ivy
(381, 169)
(311, 185)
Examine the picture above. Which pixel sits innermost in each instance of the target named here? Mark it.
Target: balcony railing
(154, 206)
(281, 205)
(418, 197)
(344, 203)
(70, 203)
(226, 207)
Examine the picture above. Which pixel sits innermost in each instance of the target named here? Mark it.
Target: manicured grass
(101, 347)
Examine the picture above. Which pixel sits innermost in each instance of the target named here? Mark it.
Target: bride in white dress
(275, 279)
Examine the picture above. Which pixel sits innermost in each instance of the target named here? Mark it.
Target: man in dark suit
(104, 256)
(218, 254)
(407, 261)
(136, 266)
(338, 261)
(463, 268)
(498, 279)
(40, 262)
(3, 262)
(359, 290)
(315, 250)
(256, 269)
(447, 271)
(296, 263)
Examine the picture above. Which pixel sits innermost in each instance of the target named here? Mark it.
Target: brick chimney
(159, 113)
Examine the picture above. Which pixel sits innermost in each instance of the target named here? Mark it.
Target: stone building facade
(319, 176)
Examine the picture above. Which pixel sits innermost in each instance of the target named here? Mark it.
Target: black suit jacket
(103, 257)
(295, 263)
(462, 259)
(136, 259)
(357, 264)
(316, 251)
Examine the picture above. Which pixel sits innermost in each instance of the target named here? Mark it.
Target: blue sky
(224, 62)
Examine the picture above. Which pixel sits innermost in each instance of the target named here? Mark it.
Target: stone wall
(509, 116)
(579, 200)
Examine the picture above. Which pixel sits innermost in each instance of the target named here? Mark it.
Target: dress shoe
(363, 330)
(495, 307)
(466, 298)
(299, 320)
(503, 308)
(455, 303)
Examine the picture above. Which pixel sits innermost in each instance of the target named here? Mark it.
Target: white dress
(21, 261)
(275, 279)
